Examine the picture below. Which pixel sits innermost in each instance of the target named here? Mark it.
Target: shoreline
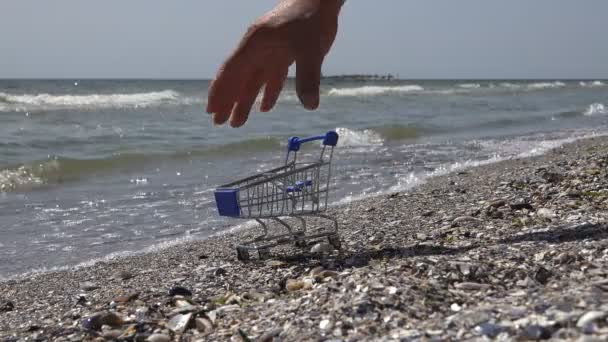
(443, 170)
(495, 250)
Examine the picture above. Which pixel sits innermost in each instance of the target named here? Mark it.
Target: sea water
(91, 169)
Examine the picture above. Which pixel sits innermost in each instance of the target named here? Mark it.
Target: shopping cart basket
(296, 190)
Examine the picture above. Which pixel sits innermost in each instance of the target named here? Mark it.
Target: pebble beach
(514, 250)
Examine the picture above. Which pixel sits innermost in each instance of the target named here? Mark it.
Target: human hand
(295, 30)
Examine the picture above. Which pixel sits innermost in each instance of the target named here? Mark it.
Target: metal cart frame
(297, 190)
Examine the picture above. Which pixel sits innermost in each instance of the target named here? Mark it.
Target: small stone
(536, 332)
(275, 263)
(551, 177)
(540, 256)
(216, 271)
(473, 319)
(498, 203)
(141, 314)
(322, 248)
(127, 298)
(179, 323)
(488, 329)
(521, 205)
(158, 338)
(326, 324)
(269, 336)
(112, 334)
(421, 236)
(455, 307)
(88, 286)
(542, 275)
(185, 310)
(97, 320)
(123, 275)
(471, 286)
(375, 239)
(179, 291)
(293, 285)
(6, 306)
(316, 271)
(204, 325)
(462, 219)
(589, 318)
(545, 213)
(328, 274)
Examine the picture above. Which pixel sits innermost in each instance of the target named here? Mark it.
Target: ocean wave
(593, 84)
(596, 108)
(21, 178)
(459, 88)
(377, 136)
(533, 86)
(32, 102)
(57, 170)
(546, 85)
(355, 138)
(401, 132)
(375, 90)
(469, 85)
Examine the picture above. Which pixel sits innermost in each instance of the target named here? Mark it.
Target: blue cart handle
(329, 139)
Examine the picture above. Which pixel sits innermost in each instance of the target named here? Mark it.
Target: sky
(185, 39)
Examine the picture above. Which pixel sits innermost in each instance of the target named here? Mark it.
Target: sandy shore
(512, 250)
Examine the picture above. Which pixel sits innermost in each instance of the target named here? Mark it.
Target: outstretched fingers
(309, 58)
(221, 97)
(273, 88)
(246, 99)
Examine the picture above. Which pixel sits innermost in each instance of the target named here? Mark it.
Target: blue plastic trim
(329, 139)
(302, 184)
(227, 202)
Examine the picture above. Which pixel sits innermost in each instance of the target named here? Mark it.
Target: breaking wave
(377, 136)
(533, 86)
(59, 170)
(469, 85)
(460, 88)
(355, 138)
(596, 108)
(32, 102)
(593, 84)
(375, 90)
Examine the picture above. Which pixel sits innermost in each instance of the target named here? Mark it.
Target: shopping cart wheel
(264, 253)
(242, 254)
(334, 240)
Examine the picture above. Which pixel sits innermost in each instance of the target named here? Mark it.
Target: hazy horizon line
(379, 76)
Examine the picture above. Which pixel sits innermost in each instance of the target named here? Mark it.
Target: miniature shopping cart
(296, 190)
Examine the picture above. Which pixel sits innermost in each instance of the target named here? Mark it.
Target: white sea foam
(470, 86)
(354, 138)
(533, 86)
(546, 85)
(596, 108)
(593, 84)
(25, 102)
(375, 90)
(503, 150)
(18, 179)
